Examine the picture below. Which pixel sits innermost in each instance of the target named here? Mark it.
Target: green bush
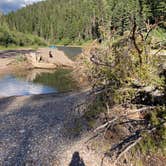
(155, 142)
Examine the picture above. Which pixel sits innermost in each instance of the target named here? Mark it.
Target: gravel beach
(30, 128)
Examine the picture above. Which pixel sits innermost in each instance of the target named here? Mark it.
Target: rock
(149, 89)
(22, 131)
(42, 59)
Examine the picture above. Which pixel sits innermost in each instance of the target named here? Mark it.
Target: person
(76, 160)
(50, 54)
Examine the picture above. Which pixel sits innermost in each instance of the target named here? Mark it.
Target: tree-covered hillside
(12, 37)
(15, 38)
(80, 20)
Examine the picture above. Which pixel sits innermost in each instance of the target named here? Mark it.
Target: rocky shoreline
(32, 128)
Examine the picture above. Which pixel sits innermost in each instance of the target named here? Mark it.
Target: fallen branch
(98, 63)
(106, 124)
(162, 48)
(140, 110)
(127, 149)
(122, 116)
(132, 145)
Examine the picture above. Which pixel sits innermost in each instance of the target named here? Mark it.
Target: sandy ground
(7, 57)
(4, 62)
(46, 59)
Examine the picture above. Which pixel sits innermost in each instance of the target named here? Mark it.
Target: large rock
(49, 59)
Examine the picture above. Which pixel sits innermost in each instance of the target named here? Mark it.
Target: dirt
(14, 53)
(8, 57)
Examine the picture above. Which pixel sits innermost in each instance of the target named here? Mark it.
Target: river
(40, 81)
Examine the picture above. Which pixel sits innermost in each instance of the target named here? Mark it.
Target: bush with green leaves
(118, 68)
(155, 142)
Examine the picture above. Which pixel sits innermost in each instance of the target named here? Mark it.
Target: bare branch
(159, 50)
(106, 124)
(151, 27)
(97, 62)
(128, 148)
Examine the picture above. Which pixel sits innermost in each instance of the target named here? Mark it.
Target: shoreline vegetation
(11, 47)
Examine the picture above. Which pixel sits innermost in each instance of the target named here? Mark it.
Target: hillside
(14, 38)
(81, 20)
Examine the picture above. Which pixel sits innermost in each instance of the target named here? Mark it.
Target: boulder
(49, 59)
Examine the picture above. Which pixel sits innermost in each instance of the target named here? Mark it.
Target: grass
(73, 44)
(159, 33)
(35, 47)
(93, 112)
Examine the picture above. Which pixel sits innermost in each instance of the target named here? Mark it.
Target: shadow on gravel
(5, 103)
(32, 129)
(76, 160)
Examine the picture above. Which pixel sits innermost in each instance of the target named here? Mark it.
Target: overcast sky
(12, 5)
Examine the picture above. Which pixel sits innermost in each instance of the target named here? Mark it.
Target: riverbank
(12, 59)
(31, 127)
(9, 60)
(15, 61)
(76, 44)
(46, 130)
(41, 129)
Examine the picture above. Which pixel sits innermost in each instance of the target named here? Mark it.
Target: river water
(39, 81)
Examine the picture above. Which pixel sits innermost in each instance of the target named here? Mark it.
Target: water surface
(36, 82)
(71, 52)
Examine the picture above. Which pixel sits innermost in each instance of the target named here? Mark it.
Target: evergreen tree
(76, 20)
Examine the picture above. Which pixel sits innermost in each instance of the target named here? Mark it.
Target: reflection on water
(36, 82)
(60, 79)
(39, 81)
(11, 86)
(71, 52)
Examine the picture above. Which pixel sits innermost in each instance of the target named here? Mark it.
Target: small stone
(22, 131)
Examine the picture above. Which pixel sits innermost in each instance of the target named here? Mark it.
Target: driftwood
(118, 150)
(106, 124)
(158, 51)
(144, 109)
(132, 143)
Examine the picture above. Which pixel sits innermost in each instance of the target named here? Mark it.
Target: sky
(12, 5)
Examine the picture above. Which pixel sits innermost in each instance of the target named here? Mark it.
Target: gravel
(31, 128)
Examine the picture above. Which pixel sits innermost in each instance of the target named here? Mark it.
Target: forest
(77, 21)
